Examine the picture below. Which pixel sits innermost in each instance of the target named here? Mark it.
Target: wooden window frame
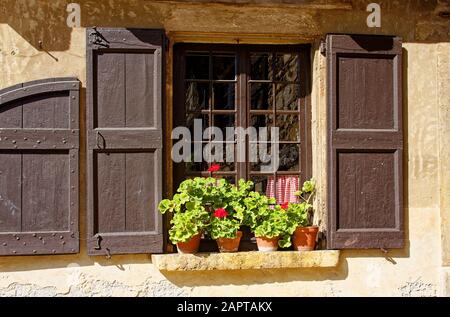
(243, 170)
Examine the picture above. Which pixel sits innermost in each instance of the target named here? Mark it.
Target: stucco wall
(418, 269)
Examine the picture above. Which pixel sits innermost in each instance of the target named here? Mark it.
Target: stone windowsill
(245, 260)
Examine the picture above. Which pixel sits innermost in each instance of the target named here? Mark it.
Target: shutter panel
(125, 98)
(365, 142)
(39, 144)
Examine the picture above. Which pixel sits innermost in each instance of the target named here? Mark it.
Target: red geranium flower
(214, 168)
(284, 205)
(220, 213)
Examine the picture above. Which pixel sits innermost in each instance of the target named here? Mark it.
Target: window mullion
(242, 108)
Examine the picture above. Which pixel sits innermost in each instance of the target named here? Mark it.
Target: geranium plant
(267, 220)
(224, 224)
(229, 214)
(206, 204)
(189, 223)
(191, 215)
(301, 213)
(300, 218)
(275, 225)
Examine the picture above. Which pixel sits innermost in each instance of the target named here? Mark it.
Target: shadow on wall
(34, 263)
(246, 277)
(43, 23)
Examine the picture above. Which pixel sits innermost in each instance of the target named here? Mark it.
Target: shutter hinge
(99, 240)
(323, 48)
(97, 39)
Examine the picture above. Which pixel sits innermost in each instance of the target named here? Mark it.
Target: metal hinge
(96, 38)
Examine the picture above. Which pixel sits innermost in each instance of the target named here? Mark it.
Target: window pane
(230, 179)
(224, 96)
(289, 157)
(197, 67)
(220, 153)
(262, 98)
(289, 127)
(286, 66)
(197, 96)
(260, 66)
(195, 167)
(190, 117)
(224, 67)
(262, 121)
(222, 122)
(261, 182)
(287, 96)
(260, 156)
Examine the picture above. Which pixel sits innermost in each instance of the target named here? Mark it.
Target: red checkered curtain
(283, 189)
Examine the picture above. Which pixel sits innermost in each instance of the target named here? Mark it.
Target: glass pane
(197, 96)
(286, 66)
(197, 67)
(259, 122)
(220, 153)
(262, 98)
(190, 117)
(261, 182)
(222, 122)
(260, 156)
(192, 166)
(289, 157)
(224, 67)
(287, 96)
(224, 96)
(260, 66)
(289, 129)
(231, 179)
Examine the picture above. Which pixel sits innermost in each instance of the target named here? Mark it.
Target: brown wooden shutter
(365, 142)
(39, 144)
(125, 104)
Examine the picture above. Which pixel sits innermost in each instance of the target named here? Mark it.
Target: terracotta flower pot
(190, 246)
(267, 244)
(229, 244)
(304, 238)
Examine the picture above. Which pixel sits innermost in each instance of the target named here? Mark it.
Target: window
(249, 87)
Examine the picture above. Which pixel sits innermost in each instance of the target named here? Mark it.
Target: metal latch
(96, 38)
(99, 239)
(100, 140)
